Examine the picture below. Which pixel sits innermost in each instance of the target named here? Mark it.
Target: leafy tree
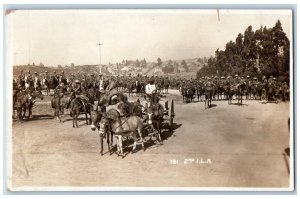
(261, 52)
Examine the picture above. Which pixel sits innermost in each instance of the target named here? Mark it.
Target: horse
(155, 117)
(79, 106)
(256, 90)
(272, 93)
(208, 93)
(25, 101)
(199, 91)
(230, 93)
(96, 116)
(129, 126)
(59, 103)
(239, 92)
(188, 94)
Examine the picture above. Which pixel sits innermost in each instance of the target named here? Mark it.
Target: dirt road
(224, 146)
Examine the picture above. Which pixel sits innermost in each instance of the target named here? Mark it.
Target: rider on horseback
(60, 90)
(78, 94)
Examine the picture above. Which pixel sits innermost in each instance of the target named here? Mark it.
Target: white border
(211, 2)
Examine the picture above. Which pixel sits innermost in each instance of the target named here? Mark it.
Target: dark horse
(208, 95)
(229, 93)
(78, 105)
(188, 94)
(96, 116)
(239, 92)
(25, 100)
(155, 117)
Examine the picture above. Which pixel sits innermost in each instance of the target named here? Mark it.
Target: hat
(46, 71)
(254, 77)
(216, 77)
(77, 81)
(222, 77)
(236, 75)
(274, 78)
(35, 72)
(248, 76)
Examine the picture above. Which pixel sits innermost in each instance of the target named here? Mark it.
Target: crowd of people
(75, 85)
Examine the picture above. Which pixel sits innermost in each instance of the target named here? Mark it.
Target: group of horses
(241, 90)
(102, 112)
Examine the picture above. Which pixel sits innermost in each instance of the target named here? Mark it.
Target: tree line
(264, 52)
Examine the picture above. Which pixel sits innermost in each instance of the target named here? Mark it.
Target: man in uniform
(28, 80)
(37, 82)
(77, 93)
(21, 79)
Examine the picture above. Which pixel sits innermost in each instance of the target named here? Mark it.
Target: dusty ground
(239, 146)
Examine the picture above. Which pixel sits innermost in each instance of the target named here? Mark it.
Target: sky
(71, 36)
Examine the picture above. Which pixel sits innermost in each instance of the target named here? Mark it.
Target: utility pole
(100, 67)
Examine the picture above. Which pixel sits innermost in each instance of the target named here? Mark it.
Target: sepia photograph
(149, 99)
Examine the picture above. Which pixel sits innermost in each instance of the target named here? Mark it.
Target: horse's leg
(30, 111)
(121, 145)
(73, 121)
(19, 112)
(134, 143)
(86, 119)
(108, 144)
(63, 114)
(57, 114)
(76, 118)
(101, 144)
(140, 134)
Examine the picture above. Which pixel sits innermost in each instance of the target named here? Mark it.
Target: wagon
(168, 123)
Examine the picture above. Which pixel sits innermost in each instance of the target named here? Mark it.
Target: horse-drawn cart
(153, 128)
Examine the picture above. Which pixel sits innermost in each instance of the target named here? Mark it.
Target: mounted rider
(78, 93)
(60, 90)
(37, 82)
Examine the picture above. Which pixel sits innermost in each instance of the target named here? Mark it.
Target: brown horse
(155, 116)
(129, 126)
(59, 103)
(25, 100)
(96, 116)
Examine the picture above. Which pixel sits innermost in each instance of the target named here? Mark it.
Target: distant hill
(169, 67)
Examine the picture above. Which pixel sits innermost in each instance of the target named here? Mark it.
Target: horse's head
(96, 117)
(104, 125)
(155, 112)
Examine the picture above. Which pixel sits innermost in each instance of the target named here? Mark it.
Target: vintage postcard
(149, 99)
